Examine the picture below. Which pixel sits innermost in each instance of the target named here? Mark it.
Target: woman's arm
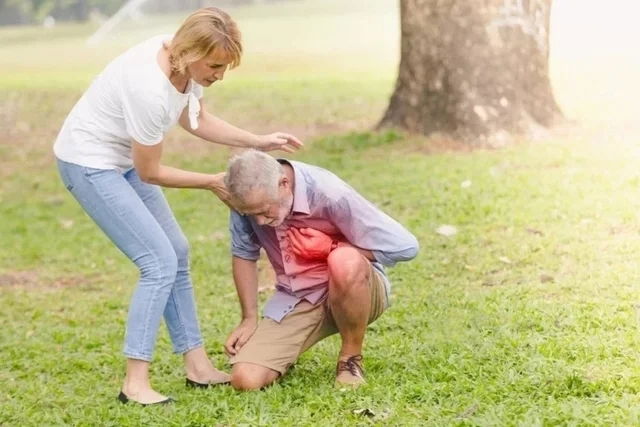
(146, 160)
(214, 129)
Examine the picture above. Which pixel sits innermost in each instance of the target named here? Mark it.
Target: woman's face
(206, 71)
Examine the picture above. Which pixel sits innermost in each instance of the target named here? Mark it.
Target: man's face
(267, 210)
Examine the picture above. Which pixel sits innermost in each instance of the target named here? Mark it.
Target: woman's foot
(199, 368)
(211, 377)
(142, 395)
(137, 386)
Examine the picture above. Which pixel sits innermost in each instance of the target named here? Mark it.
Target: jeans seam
(180, 324)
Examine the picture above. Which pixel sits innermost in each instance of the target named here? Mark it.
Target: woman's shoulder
(147, 48)
(143, 75)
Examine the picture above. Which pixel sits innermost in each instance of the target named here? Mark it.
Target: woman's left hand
(219, 189)
(279, 141)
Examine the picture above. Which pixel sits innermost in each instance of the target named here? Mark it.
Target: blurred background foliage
(23, 12)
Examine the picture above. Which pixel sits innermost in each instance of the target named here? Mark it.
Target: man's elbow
(405, 253)
(411, 251)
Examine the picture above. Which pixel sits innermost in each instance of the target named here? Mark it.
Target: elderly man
(327, 245)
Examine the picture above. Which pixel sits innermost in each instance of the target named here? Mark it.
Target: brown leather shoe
(349, 373)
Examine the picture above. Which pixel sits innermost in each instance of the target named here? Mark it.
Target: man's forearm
(365, 253)
(245, 276)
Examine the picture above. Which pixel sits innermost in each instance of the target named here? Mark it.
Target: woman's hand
(240, 335)
(219, 189)
(278, 141)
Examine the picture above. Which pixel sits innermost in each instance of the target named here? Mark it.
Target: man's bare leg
(350, 302)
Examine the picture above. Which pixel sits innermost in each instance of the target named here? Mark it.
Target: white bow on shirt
(194, 111)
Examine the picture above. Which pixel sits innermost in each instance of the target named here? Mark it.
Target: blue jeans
(136, 217)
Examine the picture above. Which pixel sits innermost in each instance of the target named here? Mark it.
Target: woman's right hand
(278, 141)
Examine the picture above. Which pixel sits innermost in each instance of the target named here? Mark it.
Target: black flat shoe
(195, 384)
(123, 398)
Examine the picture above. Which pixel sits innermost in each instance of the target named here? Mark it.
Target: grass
(527, 316)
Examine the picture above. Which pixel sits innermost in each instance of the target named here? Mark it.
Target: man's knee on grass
(248, 376)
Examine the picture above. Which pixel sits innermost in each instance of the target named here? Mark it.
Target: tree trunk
(473, 70)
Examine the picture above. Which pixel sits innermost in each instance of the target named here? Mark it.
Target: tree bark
(473, 69)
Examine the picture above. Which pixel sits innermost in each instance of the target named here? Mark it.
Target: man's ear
(284, 182)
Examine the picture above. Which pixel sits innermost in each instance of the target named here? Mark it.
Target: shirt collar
(300, 201)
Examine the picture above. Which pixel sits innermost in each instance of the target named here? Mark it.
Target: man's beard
(284, 210)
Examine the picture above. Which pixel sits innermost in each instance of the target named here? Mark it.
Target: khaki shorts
(278, 345)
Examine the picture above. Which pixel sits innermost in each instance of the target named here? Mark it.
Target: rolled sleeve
(367, 227)
(408, 253)
(244, 243)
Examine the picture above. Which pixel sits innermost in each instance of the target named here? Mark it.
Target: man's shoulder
(319, 178)
(324, 187)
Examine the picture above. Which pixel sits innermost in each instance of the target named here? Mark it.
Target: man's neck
(291, 176)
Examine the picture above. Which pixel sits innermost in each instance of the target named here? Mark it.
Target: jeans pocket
(91, 172)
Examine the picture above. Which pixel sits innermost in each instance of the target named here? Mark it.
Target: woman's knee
(158, 267)
(181, 249)
(247, 376)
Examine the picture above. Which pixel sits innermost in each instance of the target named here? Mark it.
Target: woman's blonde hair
(204, 31)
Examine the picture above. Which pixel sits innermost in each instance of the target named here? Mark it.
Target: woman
(108, 154)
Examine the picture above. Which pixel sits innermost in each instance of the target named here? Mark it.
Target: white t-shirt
(132, 99)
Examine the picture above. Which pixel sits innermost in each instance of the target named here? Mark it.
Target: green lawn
(527, 316)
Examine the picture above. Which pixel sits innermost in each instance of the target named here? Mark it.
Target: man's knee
(347, 267)
(247, 376)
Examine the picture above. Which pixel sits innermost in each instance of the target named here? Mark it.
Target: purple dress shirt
(324, 202)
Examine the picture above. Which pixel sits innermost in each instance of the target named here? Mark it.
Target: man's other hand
(239, 336)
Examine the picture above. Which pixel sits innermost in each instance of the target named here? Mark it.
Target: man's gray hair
(253, 170)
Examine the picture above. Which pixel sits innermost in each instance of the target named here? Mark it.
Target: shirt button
(287, 258)
(293, 277)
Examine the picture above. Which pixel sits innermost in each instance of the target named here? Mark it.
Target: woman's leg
(180, 311)
(114, 205)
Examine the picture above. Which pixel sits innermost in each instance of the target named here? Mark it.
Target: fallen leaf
(504, 259)
(66, 223)
(546, 278)
(534, 231)
(447, 230)
(366, 412)
(468, 412)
